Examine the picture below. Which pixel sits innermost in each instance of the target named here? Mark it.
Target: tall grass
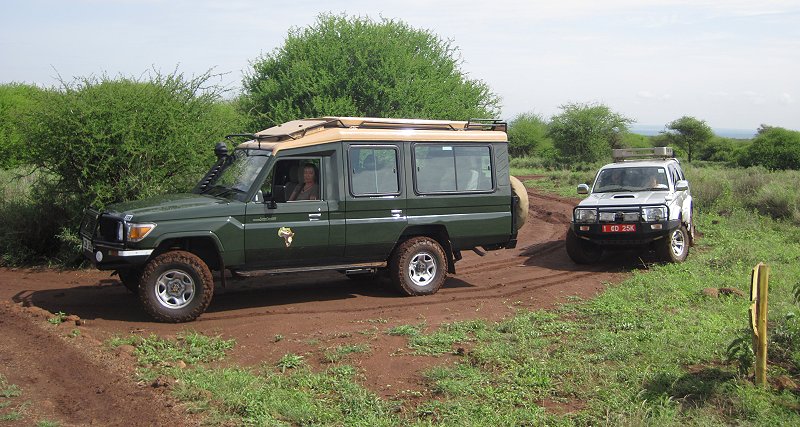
(721, 190)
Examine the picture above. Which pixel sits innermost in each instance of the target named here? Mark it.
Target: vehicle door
(680, 196)
(376, 200)
(686, 199)
(284, 231)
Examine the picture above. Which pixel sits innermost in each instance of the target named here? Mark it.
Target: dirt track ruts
(315, 311)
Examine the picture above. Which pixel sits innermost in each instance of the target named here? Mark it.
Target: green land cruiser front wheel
(130, 278)
(418, 266)
(176, 286)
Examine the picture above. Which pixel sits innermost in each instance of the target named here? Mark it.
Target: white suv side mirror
(583, 189)
(682, 185)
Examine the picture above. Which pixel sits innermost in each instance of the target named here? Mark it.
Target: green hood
(171, 206)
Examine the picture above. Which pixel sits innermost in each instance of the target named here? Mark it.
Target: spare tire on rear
(521, 211)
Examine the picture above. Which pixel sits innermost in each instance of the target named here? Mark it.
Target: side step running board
(255, 273)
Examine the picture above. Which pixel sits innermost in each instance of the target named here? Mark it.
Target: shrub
(14, 97)
(774, 148)
(99, 140)
(526, 133)
(356, 66)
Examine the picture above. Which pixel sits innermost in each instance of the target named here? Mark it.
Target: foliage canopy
(14, 98)
(689, 134)
(774, 148)
(527, 134)
(354, 66)
(586, 132)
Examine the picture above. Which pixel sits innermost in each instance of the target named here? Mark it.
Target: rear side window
(373, 171)
(452, 168)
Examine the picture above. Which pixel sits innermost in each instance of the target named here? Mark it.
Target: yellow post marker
(759, 287)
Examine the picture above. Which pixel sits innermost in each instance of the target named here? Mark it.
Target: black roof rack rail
(419, 126)
(486, 124)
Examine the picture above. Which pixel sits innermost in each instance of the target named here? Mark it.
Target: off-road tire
(582, 251)
(418, 266)
(130, 278)
(675, 246)
(176, 265)
(521, 212)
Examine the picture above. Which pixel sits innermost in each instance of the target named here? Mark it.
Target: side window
(673, 174)
(680, 172)
(373, 170)
(452, 168)
(294, 180)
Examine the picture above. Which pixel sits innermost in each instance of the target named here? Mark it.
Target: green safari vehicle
(356, 195)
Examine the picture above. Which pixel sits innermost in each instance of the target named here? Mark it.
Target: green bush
(14, 97)
(774, 148)
(527, 133)
(99, 140)
(356, 66)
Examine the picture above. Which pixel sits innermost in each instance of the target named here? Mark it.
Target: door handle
(314, 216)
(396, 213)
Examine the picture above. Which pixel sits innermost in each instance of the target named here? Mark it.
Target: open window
(294, 180)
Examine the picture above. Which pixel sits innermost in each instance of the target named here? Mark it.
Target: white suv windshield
(645, 178)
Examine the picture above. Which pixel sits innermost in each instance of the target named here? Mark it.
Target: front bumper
(645, 233)
(105, 254)
(109, 256)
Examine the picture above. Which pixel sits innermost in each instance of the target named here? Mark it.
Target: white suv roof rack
(623, 154)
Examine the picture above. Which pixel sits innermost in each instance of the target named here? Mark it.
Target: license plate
(87, 244)
(619, 228)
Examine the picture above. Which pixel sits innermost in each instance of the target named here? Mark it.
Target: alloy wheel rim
(422, 269)
(677, 243)
(174, 289)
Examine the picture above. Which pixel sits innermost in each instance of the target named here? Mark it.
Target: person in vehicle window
(309, 190)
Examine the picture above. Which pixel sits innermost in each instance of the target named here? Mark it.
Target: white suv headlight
(585, 215)
(654, 214)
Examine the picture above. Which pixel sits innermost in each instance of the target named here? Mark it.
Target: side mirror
(682, 185)
(259, 197)
(583, 189)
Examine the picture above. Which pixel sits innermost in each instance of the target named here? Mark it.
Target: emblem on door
(287, 235)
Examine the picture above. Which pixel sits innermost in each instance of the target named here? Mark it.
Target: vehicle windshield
(649, 178)
(238, 173)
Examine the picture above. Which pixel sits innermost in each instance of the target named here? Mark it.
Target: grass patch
(650, 351)
(188, 347)
(336, 354)
(10, 408)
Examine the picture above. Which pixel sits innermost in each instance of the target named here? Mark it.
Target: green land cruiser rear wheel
(418, 266)
(176, 286)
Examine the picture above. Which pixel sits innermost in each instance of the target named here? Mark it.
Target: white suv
(640, 200)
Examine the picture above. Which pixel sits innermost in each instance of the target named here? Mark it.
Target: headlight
(585, 215)
(137, 232)
(654, 214)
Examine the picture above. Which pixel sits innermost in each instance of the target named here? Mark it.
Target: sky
(733, 63)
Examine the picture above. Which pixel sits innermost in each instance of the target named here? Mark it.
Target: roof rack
(623, 154)
(486, 124)
(296, 129)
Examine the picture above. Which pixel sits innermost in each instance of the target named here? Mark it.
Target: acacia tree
(586, 132)
(689, 134)
(354, 66)
(527, 132)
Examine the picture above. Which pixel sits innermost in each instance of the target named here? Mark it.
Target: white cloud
(786, 98)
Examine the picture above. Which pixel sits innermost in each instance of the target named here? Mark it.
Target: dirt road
(309, 313)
